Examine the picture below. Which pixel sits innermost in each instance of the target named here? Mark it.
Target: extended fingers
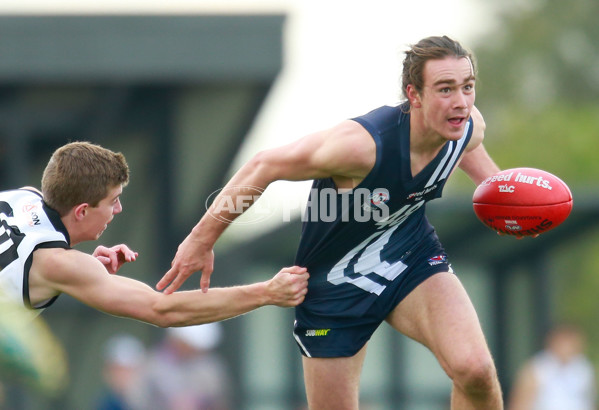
(177, 282)
(176, 276)
(205, 280)
(167, 278)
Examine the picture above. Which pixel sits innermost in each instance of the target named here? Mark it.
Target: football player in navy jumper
(379, 259)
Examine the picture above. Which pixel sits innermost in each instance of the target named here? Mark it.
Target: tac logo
(506, 188)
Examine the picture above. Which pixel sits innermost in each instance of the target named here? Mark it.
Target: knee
(475, 373)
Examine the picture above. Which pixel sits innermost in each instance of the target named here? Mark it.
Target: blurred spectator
(124, 357)
(185, 372)
(559, 377)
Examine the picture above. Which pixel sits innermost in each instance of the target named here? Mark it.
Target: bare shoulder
(57, 266)
(345, 149)
(353, 149)
(50, 270)
(352, 131)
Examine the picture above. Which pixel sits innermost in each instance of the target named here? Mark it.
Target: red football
(522, 201)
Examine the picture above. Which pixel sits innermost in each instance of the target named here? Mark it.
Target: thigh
(333, 383)
(439, 314)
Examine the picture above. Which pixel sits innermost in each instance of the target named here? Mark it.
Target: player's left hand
(288, 287)
(113, 258)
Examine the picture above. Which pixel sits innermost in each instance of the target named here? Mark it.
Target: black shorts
(338, 320)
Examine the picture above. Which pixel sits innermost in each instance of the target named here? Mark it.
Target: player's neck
(425, 144)
(71, 226)
(423, 139)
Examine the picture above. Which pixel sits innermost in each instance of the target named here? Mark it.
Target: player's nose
(460, 100)
(118, 207)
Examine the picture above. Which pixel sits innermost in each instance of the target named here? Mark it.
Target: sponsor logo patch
(436, 260)
(317, 332)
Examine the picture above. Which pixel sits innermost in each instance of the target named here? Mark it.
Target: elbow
(268, 166)
(259, 166)
(163, 316)
(163, 320)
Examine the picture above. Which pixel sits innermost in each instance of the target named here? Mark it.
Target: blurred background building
(187, 93)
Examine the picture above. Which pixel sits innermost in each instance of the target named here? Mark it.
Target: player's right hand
(288, 287)
(191, 256)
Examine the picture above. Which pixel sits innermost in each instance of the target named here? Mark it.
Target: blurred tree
(542, 53)
(539, 87)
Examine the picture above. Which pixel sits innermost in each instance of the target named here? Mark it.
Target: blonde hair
(82, 172)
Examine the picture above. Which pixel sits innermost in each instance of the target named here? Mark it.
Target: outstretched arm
(345, 151)
(83, 277)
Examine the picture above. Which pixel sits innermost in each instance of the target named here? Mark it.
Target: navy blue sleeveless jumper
(367, 248)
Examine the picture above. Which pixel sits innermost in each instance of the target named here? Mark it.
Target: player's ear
(80, 211)
(413, 96)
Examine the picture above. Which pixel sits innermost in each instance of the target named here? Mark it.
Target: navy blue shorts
(338, 320)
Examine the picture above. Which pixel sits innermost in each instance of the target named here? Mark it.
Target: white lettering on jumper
(418, 195)
(369, 261)
(400, 215)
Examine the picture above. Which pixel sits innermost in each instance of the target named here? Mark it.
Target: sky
(342, 58)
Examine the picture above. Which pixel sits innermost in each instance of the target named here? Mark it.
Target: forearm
(240, 193)
(195, 307)
(126, 297)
